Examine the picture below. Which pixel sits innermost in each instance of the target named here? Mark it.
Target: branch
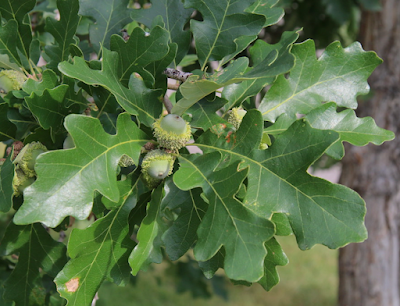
(176, 74)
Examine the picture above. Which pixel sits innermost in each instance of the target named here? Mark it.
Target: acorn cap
(171, 132)
(26, 158)
(11, 80)
(156, 166)
(235, 116)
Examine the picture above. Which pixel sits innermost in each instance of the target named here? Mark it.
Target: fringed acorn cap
(156, 166)
(172, 132)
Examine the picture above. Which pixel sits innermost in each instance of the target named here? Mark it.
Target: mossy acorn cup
(156, 166)
(172, 132)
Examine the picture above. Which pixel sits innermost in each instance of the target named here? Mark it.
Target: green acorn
(26, 158)
(21, 181)
(125, 161)
(11, 80)
(235, 116)
(172, 132)
(156, 166)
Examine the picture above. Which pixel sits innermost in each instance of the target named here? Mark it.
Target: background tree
(369, 272)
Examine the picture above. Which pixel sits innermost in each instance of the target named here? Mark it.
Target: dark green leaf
(49, 108)
(227, 222)
(182, 234)
(204, 114)
(175, 17)
(110, 15)
(6, 184)
(275, 257)
(237, 93)
(267, 8)
(67, 179)
(223, 22)
(137, 100)
(148, 250)
(37, 251)
(278, 181)
(100, 251)
(139, 51)
(63, 31)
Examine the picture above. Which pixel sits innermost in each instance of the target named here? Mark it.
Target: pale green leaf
(339, 75)
(67, 179)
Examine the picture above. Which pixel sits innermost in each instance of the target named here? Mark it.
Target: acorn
(172, 132)
(156, 166)
(26, 158)
(21, 181)
(235, 116)
(11, 80)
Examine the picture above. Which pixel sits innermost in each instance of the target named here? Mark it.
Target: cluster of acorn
(172, 133)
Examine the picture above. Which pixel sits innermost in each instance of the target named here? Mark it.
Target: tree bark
(369, 272)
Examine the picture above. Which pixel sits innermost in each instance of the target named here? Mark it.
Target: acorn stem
(168, 104)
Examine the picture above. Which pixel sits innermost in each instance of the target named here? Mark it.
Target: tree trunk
(369, 272)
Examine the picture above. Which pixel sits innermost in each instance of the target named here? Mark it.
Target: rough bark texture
(369, 272)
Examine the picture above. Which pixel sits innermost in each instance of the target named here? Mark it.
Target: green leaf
(339, 75)
(204, 114)
(223, 22)
(148, 250)
(8, 43)
(137, 100)
(237, 93)
(275, 257)
(267, 8)
(67, 179)
(100, 251)
(227, 222)
(37, 251)
(272, 60)
(357, 131)
(49, 109)
(278, 182)
(110, 15)
(175, 17)
(180, 237)
(24, 125)
(139, 51)
(6, 184)
(63, 31)
(15, 11)
(7, 129)
(49, 81)
(5, 61)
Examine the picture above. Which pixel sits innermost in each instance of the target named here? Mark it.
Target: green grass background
(310, 278)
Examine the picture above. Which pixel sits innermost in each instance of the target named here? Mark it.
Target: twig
(173, 86)
(168, 104)
(176, 74)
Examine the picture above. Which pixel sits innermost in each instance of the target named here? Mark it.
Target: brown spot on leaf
(72, 285)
